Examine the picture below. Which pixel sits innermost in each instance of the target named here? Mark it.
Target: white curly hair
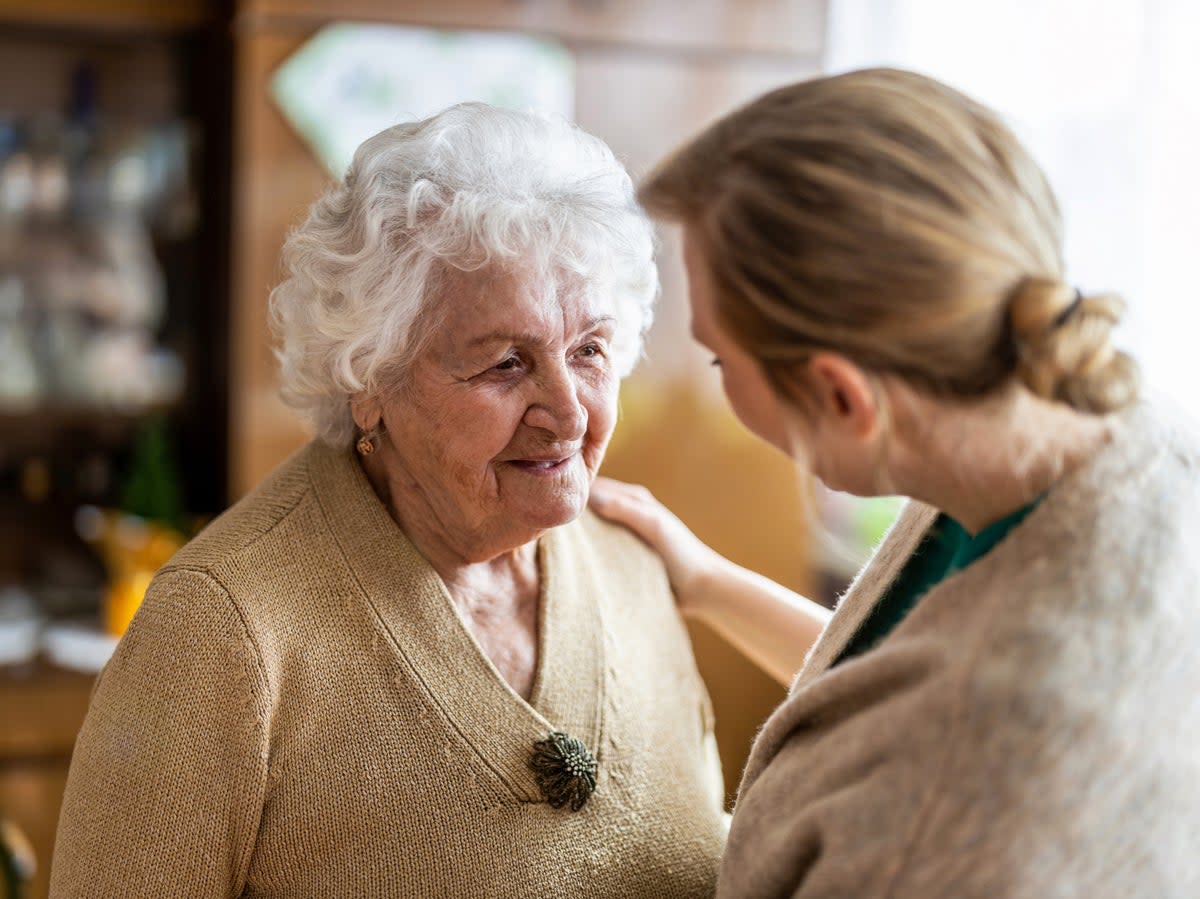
(467, 189)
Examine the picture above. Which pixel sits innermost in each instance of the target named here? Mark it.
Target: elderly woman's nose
(556, 406)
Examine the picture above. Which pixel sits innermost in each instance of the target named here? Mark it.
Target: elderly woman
(407, 665)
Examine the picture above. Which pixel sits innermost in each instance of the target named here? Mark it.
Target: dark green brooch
(565, 771)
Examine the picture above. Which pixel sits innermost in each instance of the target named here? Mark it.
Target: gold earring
(366, 444)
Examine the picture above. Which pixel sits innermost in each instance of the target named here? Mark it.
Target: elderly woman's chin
(544, 494)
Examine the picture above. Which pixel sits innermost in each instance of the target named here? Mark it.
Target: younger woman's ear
(844, 394)
(366, 412)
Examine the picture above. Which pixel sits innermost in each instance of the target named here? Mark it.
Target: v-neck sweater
(297, 710)
(947, 548)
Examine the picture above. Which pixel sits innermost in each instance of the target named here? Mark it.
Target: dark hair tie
(1062, 317)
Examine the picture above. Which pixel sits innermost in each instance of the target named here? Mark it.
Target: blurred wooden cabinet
(648, 73)
(43, 710)
(145, 65)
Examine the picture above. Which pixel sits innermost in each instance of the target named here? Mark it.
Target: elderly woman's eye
(508, 364)
(590, 349)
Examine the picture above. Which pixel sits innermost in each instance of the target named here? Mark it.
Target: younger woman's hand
(773, 626)
(688, 560)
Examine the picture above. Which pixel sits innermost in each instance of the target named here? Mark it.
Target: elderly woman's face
(507, 410)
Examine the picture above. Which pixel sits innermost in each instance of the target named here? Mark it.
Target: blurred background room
(154, 153)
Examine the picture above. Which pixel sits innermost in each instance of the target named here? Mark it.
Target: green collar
(946, 548)
(964, 548)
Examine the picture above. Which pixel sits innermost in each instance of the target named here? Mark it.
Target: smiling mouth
(540, 466)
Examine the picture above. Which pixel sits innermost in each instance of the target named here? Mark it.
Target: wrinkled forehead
(555, 306)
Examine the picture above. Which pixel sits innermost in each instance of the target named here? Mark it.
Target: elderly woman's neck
(469, 560)
(492, 578)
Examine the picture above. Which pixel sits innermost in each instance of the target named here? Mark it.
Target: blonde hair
(885, 216)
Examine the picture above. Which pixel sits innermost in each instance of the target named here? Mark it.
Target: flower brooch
(565, 770)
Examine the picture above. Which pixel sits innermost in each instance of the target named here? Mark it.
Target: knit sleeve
(168, 774)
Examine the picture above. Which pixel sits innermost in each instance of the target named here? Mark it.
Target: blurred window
(1104, 92)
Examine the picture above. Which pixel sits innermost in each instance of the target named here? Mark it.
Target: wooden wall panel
(276, 178)
(124, 15)
(644, 105)
(641, 103)
(724, 26)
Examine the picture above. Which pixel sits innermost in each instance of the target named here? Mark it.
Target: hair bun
(1064, 346)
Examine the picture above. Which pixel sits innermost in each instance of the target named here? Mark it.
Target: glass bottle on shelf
(20, 383)
(116, 178)
(51, 262)
(94, 280)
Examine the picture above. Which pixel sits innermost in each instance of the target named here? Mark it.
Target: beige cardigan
(297, 711)
(1032, 729)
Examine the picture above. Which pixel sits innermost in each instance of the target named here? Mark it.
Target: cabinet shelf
(41, 427)
(109, 15)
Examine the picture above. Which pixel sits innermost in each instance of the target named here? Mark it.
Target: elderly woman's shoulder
(247, 523)
(631, 585)
(609, 534)
(617, 549)
(235, 574)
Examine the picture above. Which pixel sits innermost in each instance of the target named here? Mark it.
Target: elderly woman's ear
(366, 412)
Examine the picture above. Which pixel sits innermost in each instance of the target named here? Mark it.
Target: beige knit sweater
(298, 711)
(1031, 730)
